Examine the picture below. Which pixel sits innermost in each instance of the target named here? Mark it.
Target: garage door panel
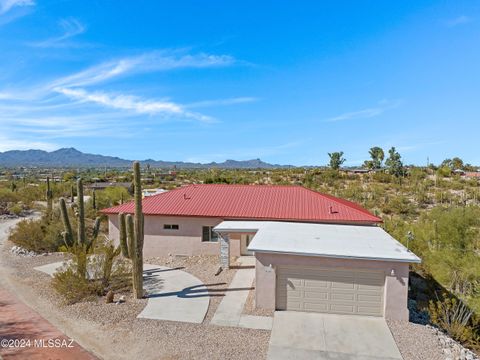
(342, 291)
(320, 296)
(342, 296)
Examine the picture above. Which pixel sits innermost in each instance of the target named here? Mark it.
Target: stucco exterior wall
(395, 289)
(187, 240)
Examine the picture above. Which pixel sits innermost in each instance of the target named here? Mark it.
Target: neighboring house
(152, 192)
(105, 185)
(314, 252)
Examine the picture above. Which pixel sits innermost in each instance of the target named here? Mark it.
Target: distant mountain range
(72, 158)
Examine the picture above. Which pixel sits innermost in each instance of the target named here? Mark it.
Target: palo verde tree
(336, 160)
(394, 163)
(377, 155)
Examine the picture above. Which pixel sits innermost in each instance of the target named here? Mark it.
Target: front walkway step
(229, 312)
(174, 295)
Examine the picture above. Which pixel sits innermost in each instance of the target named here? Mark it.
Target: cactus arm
(130, 235)
(81, 213)
(123, 234)
(68, 233)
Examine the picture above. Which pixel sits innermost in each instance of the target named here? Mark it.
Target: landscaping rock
(19, 251)
(109, 297)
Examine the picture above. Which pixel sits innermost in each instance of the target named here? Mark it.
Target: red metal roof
(255, 202)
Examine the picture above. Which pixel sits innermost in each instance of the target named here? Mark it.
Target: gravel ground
(114, 332)
(249, 308)
(415, 341)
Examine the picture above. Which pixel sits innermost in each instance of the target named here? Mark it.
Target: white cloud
(459, 20)
(133, 103)
(7, 5)
(71, 27)
(148, 62)
(368, 112)
(21, 144)
(222, 102)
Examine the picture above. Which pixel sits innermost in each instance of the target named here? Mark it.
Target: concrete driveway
(299, 335)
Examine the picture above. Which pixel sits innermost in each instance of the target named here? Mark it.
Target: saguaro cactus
(49, 196)
(81, 245)
(123, 235)
(94, 200)
(81, 213)
(137, 255)
(68, 233)
(72, 194)
(130, 234)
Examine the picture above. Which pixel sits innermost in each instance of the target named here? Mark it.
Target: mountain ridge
(71, 157)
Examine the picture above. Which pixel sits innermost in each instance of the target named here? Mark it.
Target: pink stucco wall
(396, 286)
(187, 240)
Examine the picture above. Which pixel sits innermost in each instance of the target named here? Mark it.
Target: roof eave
(417, 260)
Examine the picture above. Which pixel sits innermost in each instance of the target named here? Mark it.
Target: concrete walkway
(229, 312)
(40, 339)
(299, 335)
(173, 294)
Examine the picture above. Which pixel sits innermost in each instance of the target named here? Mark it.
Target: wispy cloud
(77, 105)
(70, 27)
(222, 102)
(7, 5)
(132, 103)
(148, 62)
(459, 20)
(367, 113)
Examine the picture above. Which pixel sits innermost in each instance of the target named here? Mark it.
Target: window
(170, 226)
(208, 234)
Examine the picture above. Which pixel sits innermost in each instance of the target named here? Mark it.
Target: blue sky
(283, 81)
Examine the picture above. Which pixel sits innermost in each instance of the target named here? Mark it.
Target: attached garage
(327, 290)
(327, 268)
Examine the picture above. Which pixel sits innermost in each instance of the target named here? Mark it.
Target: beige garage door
(327, 290)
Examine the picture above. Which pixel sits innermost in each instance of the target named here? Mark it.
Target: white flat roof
(328, 240)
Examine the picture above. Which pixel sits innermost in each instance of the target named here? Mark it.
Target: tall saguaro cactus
(137, 255)
(81, 245)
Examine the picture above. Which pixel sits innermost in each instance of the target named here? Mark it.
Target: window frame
(171, 227)
(212, 235)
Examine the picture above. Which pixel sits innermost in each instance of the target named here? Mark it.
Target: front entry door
(244, 242)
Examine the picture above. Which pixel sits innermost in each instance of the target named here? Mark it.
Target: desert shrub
(399, 205)
(96, 273)
(72, 286)
(454, 317)
(30, 234)
(15, 209)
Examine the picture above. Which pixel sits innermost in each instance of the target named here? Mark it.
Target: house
(105, 185)
(313, 252)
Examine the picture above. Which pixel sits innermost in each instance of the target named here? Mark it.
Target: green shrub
(454, 317)
(38, 235)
